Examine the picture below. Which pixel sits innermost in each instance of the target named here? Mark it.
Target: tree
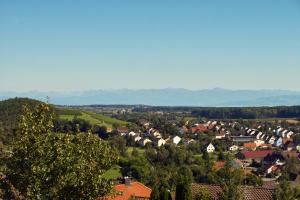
(284, 190)
(164, 192)
(46, 165)
(183, 187)
(155, 193)
(203, 195)
(253, 180)
(230, 180)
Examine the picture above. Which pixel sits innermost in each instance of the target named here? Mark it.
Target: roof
(122, 129)
(219, 165)
(135, 189)
(250, 145)
(257, 154)
(247, 192)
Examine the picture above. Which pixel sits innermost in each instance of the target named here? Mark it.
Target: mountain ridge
(216, 97)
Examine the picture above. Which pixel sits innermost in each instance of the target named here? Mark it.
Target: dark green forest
(230, 112)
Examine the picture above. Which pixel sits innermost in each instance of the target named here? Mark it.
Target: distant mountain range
(167, 97)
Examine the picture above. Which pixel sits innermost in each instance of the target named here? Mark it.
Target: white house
(259, 142)
(157, 134)
(289, 134)
(176, 140)
(279, 130)
(284, 132)
(272, 140)
(298, 147)
(132, 134)
(145, 141)
(214, 123)
(220, 136)
(161, 142)
(210, 148)
(253, 132)
(137, 139)
(233, 148)
(122, 134)
(258, 135)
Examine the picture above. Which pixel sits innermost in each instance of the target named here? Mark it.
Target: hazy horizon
(136, 89)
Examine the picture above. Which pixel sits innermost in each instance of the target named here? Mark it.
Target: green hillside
(10, 112)
(92, 118)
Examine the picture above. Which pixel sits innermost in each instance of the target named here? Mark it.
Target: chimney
(127, 181)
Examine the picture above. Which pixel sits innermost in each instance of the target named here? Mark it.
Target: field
(93, 118)
(113, 173)
(130, 149)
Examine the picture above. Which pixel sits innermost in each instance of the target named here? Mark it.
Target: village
(262, 148)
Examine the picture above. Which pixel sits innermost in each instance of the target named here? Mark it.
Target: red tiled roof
(199, 127)
(257, 154)
(135, 189)
(219, 165)
(250, 145)
(247, 192)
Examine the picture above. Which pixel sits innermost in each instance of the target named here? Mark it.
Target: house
(156, 134)
(220, 136)
(109, 130)
(199, 127)
(289, 146)
(278, 142)
(259, 135)
(284, 132)
(298, 147)
(257, 155)
(250, 146)
(243, 138)
(246, 192)
(274, 158)
(145, 141)
(219, 165)
(272, 169)
(137, 139)
(161, 142)
(176, 140)
(252, 132)
(233, 148)
(130, 190)
(272, 140)
(236, 164)
(132, 134)
(122, 129)
(259, 142)
(210, 148)
(289, 134)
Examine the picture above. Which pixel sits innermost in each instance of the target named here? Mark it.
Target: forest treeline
(230, 112)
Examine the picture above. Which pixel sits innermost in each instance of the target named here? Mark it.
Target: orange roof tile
(125, 192)
(250, 145)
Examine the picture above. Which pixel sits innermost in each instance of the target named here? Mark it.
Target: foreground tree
(46, 165)
(284, 190)
(203, 195)
(230, 180)
(183, 187)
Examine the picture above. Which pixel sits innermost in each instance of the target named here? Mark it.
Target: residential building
(210, 148)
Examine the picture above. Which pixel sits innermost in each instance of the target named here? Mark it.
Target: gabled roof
(257, 154)
(126, 192)
(247, 192)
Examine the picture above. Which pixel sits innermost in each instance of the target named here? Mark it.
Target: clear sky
(101, 44)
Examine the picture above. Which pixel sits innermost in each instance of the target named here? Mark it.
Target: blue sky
(80, 45)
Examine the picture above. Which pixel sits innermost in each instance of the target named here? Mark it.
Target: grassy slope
(93, 118)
